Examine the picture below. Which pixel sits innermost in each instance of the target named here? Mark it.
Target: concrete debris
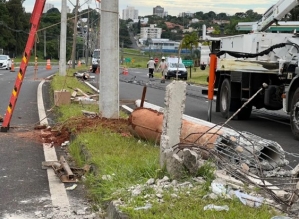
(269, 153)
(107, 177)
(295, 171)
(216, 207)
(174, 165)
(89, 113)
(147, 206)
(190, 161)
(151, 181)
(277, 172)
(71, 187)
(280, 217)
(64, 171)
(249, 200)
(219, 188)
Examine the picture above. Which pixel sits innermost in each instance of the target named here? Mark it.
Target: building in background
(143, 20)
(159, 11)
(151, 32)
(130, 13)
(186, 14)
(47, 7)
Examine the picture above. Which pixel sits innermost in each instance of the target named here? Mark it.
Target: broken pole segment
(175, 98)
(254, 149)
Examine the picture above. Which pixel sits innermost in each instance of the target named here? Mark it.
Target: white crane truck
(245, 62)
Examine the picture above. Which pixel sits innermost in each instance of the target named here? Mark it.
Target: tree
(222, 16)
(294, 14)
(53, 10)
(18, 26)
(190, 41)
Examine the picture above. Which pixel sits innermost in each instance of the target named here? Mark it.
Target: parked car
(174, 66)
(5, 62)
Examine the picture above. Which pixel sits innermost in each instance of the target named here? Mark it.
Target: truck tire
(225, 98)
(294, 117)
(228, 107)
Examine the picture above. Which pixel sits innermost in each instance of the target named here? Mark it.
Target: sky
(173, 7)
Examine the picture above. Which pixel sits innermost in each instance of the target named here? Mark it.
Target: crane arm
(274, 14)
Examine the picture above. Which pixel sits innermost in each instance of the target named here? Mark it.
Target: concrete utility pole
(62, 55)
(45, 45)
(109, 64)
(98, 39)
(75, 35)
(87, 40)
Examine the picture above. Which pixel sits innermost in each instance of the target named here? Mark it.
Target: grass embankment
(121, 162)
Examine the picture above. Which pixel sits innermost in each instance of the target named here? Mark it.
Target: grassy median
(121, 162)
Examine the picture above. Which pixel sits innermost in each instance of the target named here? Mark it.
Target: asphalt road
(24, 185)
(26, 191)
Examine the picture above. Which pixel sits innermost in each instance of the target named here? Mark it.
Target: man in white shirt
(151, 67)
(163, 66)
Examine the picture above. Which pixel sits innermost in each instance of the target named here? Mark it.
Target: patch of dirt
(60, 133)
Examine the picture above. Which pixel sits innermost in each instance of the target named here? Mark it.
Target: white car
(5, 62)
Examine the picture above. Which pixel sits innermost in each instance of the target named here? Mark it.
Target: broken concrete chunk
(190, 161)
(245, 167)
(295, 171)
(151, 181)
(174, 166)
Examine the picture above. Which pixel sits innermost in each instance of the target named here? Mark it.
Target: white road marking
(57, 188)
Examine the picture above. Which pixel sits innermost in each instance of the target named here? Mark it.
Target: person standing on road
(151, 67)
(163, 66)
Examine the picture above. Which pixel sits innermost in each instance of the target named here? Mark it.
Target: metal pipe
(143, 96)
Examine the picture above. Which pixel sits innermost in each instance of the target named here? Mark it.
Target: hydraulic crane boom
(274, 14)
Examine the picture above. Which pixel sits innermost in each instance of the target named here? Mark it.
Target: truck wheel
(225, 98)
(294, 118)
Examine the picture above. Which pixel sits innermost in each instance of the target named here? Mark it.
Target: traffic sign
(156, 60)
(188, 63)
(127, 60)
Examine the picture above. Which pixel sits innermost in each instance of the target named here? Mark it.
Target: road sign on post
(127, 60)
(188, 63)
(156, 60)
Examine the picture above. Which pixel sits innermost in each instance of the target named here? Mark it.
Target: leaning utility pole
(109, 62)
(62, 55)
(75, 35)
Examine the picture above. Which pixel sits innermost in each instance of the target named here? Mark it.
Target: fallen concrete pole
(239, 147)
(147, 124)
